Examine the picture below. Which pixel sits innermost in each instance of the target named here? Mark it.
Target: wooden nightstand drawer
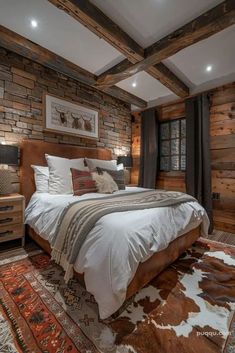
(11, 206)
(10, 218)
(9, 232)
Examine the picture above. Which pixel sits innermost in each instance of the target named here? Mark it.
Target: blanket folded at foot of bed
(78, 219)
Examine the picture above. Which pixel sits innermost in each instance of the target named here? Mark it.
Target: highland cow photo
(62, 116)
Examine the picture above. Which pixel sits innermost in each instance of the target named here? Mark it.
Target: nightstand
(12, 218)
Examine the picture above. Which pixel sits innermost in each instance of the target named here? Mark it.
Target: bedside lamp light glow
(8, 156)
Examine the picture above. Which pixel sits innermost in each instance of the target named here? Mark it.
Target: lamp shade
(8, 154)
(126, 160)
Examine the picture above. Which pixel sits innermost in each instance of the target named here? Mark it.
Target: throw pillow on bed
(83, 182)
(117, 175)
(105, 183)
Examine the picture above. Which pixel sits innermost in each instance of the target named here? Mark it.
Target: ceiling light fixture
(34, 23)
(208, 68)
(134, 84)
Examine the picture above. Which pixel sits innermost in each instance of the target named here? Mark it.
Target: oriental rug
(188, 308)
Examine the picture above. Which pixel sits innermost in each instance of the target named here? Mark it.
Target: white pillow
(120, 166)
(60, 179)
(41, 177)
(111, 165)
(104, 183)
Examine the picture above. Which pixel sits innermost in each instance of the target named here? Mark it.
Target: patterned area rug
(188, 308)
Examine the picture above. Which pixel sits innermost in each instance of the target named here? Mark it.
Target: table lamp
(8, 156)
(127, 162)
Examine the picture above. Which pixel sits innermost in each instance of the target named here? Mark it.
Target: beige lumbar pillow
(104, 183)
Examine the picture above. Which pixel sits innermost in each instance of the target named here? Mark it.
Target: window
(173, 145)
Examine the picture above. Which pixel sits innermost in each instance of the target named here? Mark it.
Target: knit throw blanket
(78, 219)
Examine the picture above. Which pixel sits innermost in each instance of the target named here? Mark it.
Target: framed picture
(64, 117)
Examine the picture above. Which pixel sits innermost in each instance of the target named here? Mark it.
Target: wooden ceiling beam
(24, 47)
(96, 21)
(204, 26)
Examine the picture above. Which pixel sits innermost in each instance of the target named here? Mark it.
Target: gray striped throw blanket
(80, 217)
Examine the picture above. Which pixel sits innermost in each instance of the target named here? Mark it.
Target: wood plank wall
(222, 132)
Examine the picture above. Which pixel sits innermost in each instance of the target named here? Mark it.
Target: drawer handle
(6, 208)
(8, 232)
(6, 220)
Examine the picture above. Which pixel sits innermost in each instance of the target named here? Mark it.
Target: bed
(188, 221)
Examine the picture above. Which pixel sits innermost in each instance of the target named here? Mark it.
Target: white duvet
(119, 241)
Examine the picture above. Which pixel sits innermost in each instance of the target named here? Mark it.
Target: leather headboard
(33, 152)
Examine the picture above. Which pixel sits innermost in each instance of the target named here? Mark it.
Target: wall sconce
(8, 156)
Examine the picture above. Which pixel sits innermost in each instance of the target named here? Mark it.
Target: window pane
(175, 162)
(165, 148)
(183, 146)
(183, 127)
(165, 131)
(165, 163)
(175, 129)
(175, 146)
(183, 162)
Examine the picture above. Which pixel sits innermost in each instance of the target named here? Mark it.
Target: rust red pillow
(82, 182)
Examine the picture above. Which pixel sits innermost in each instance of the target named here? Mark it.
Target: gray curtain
(198, 162)
(149, 149)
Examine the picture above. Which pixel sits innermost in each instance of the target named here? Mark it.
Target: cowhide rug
(188, 308)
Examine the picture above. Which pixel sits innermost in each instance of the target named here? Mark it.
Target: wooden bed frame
(33, 152)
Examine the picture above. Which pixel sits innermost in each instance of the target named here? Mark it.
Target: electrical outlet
(215, 196)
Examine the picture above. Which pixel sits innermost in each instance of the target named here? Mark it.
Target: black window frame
(170, 122)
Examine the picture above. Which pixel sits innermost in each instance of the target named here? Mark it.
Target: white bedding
(118, 243)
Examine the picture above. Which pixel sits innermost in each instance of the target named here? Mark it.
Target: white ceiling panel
(59, 33)
(146, 87)
(218, 51)
(147, 21)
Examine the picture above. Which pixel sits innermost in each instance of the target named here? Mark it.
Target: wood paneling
(225, 186)
(172, 111)
(223, 159)
(222, 142)
(171, 181)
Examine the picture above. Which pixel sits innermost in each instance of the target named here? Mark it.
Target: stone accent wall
(22, 84)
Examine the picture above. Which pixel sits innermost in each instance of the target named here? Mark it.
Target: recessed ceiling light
(34, 23)
(208, 68)
(134, 84)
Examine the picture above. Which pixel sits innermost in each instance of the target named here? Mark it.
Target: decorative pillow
(41, 177)
(60, 181)
(94, 163)
(117, 175)
(105, 183)
(83, 182)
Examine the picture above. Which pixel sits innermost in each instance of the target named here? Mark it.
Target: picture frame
(62, 116)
